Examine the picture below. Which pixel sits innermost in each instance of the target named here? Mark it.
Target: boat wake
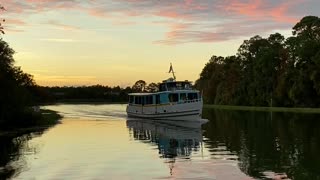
(98, 112)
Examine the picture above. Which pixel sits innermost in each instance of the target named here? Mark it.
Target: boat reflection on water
(175, 139)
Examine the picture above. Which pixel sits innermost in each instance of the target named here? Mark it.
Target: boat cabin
(177, 97)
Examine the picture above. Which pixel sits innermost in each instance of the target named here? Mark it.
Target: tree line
(272, 71)
(95, 93)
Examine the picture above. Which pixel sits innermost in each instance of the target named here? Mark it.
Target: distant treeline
(273, 71)
(95, 93)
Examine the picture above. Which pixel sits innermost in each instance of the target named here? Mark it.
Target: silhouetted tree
(14, 85)
(1, 20)
(152, 87)
(139, 86)
(271, 71)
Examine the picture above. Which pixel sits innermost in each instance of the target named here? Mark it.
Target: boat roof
(163, 92)
(141, 94)
(171, 80)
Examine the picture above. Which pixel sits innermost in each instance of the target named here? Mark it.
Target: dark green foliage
(271, 71)
(152, 87)
(96, 93)
(139, 86)
(14, 87)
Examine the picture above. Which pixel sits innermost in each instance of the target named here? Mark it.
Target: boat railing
(190, 101)
(180, 102)
(178, 88)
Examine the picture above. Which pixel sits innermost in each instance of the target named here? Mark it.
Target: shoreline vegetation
(44, 119)
(272, 71)
(49, 117)
(261, 108)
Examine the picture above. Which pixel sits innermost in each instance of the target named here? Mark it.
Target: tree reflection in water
(174, 139)
(13, 147)
(268, 144)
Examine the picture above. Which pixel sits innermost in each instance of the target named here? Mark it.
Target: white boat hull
(190, 111)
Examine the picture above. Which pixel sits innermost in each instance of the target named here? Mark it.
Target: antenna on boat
(171, 70)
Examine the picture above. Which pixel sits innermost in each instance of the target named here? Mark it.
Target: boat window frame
(192, 96)
(148, 99)
(162, 87)
(131, 100)
(185, 97)
(138, 100)
(158, 99)
(173, 97)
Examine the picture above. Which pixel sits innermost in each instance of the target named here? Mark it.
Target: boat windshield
(171, 86)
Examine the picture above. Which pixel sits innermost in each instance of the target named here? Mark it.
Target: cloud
(14, 21)
(53, 80)
(13, 25)
(264, 10)
(187, 20)
(61, 26)
(180, 37)
(61, 40)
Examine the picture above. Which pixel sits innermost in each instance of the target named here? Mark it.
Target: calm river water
(97, 142)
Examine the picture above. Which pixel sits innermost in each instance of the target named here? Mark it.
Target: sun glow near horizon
(119, 42)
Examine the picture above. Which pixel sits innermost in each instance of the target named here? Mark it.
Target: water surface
(97, 142)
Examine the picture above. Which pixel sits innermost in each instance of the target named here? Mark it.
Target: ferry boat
(175, 100)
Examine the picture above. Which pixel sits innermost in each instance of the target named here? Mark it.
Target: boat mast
(171, 70)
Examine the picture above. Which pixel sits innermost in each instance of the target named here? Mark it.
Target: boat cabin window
(183, 96)
(149, 100)
(192, 96)
(138, 100)
(173, 97)
(157, 99)
(131, 99)
(162, 87)
(172, 86)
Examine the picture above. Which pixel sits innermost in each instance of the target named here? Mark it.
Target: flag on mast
(171, 69)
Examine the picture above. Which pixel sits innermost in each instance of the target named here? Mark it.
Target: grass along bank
(49, 117)
(271, 109)
(34, 121)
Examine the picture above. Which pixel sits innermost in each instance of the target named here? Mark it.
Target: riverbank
(49, 117)
(271, 109)
(43, 119)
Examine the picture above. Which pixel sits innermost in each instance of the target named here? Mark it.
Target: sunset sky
(117, 42)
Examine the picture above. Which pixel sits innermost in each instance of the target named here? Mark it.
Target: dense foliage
(273, 71)
(95, 93)
(15, 87)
